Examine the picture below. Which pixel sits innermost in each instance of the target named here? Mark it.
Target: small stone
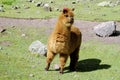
(73, 2)
(78, 1)
(2, 29)
(15, 7)
(18, 12)
(51, 1)
(56, 67)
(29, 0)
(1, 5)
(47, 7)
(105, 3)
(2, 9)
(26, 7)
(31, 75)
(57, 9)
(33, 66)
(23, 35)
(39, 4)
(118, 2)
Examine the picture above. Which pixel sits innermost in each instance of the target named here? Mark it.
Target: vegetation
(97, 61)
(84, 10)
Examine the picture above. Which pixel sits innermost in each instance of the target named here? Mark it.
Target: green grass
(7, 2)
(84, 10)
(98, 61)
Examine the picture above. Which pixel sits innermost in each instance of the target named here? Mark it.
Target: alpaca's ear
(73, 9)
(65, 10)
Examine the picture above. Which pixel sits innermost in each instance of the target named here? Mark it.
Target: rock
(15, 7)
(56, 66)
(105, 29)
(77, 1)
(52, 2)
(26, 7)
(2, 29)
(1, 5)
(33, 66)
(118, 2)
(39, 4)
(38, 47)
(73, 2)
(57, 9)
(47, 7)
(29, 0)
(2, 9)
(104, 3)
(31, 75)
(23, 35)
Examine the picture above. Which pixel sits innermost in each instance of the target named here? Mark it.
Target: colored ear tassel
(65, 10)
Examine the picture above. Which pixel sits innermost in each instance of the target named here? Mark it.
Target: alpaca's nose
(72, 18)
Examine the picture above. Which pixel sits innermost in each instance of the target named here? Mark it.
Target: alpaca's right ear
(73, 9)
(65, 10)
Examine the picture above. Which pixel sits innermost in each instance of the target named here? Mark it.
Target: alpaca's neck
(62, 29)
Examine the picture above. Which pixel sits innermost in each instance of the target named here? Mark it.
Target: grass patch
(7, 2)
(84, 10)
(97, 60)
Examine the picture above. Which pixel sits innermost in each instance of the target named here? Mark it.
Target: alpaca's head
(67, 17)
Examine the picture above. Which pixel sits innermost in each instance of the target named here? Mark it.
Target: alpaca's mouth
(71, 22)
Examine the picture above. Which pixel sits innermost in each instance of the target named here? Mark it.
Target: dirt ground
(86, 28)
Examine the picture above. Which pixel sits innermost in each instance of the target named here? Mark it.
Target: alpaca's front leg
(49, 59)
(63, 59)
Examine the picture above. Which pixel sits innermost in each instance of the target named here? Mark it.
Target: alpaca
(64, 40)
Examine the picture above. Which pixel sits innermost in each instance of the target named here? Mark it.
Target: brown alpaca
(65, 40)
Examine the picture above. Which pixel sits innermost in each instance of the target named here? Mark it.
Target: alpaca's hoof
(72, 69)
(61, 72)
(46, 69)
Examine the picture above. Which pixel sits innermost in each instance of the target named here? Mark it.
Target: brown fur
(65, 40)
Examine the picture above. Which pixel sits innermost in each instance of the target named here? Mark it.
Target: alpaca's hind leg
(49, 59)
(74, 59)
(63, 59)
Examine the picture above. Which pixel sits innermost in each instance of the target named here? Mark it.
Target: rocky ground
(86, 28)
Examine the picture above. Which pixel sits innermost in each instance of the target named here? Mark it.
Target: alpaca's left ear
(73, 9)
(65, 10)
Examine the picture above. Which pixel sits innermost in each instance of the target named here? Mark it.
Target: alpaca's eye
(66, 15)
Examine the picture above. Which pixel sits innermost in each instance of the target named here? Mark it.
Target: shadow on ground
(88, 65)
(117, 33)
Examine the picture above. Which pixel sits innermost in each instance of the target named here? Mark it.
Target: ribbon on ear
(65, 10)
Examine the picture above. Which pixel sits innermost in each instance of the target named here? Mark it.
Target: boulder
(105, 29)
(38, 48)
